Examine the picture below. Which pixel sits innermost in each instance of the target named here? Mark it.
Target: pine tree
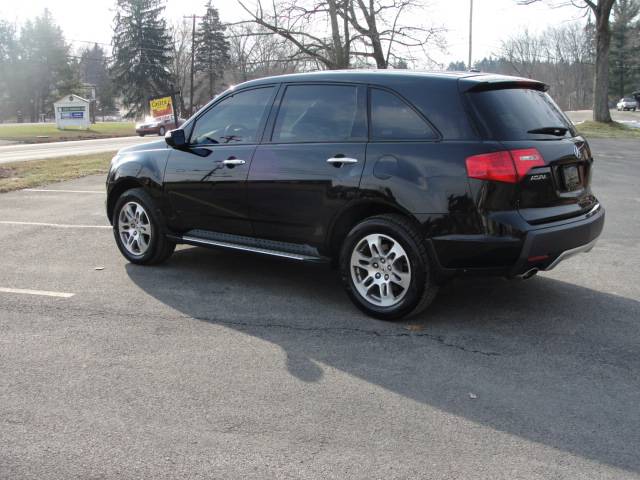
(625, 36)
(94, 71)
(141, 53)
(212, 48)
(457, 66)
(45, 70)
(8, 60)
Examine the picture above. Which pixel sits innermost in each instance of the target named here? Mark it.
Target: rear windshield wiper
(558, 131)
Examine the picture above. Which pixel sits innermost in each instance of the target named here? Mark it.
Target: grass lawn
(34, 173)
(607, 130)
(47, 132)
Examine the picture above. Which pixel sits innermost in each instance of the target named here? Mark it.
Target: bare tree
(523, 52)
(560, 56)
(295, 22)
(381, 30)
(181, 65)
(359, 30)
(257, 52)
(601, 10)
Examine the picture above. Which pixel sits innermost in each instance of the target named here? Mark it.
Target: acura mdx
(400, 179)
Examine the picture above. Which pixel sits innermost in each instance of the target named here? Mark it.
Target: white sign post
(72, 111)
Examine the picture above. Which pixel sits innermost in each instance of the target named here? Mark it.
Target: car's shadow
(548, 361)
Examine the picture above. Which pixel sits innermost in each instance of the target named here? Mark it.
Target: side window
(233, 120)
(393, 119)
(318, 113)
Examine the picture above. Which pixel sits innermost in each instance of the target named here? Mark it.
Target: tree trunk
(372, 33)
(212, 82)
(378, 52)
(341, 59)
(601, 80)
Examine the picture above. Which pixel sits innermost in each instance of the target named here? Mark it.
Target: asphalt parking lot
(224, 365)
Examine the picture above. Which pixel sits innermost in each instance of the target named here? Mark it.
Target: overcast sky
(494, 20)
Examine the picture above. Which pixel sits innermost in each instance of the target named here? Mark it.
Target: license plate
(571, 177)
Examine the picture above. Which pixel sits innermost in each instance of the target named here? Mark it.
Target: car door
(206, 182)
(405, 164)
(309, 165)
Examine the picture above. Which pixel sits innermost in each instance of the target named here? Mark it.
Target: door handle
(232, 162)
(335, 160)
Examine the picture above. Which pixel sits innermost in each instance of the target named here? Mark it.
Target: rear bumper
(545, 248)
(521, 250)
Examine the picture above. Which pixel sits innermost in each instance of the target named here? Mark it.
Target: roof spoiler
(501, 83)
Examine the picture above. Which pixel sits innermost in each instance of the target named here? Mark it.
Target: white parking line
(55, 225)
(37, 292)
(61, 191)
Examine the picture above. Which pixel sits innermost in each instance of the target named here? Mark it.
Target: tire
(361, 272)
(141, 134)
(161, 131)
(136, 208)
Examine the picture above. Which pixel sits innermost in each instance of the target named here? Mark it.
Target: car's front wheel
(139, 229)
(161, 131)
(385, 268)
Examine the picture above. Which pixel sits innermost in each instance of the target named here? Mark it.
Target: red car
(157, 126)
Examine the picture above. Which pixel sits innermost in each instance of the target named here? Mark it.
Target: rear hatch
(553, 163)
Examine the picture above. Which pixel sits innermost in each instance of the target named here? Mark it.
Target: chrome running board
(292, 251)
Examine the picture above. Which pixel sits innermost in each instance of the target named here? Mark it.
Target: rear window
(393, 119)
(510, 114)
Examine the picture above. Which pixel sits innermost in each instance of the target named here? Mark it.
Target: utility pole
(193, 62)
(193, 54)
(470, 33)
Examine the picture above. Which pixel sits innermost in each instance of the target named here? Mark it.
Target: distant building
(72, 111)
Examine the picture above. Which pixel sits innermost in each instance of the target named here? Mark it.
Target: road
(631, 119)
(24, 152)
(232, 366)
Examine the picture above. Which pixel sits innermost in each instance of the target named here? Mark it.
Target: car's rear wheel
(385, 268)
(161, 131)
(139, 231)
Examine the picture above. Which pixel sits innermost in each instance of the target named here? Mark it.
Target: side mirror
(175, 138)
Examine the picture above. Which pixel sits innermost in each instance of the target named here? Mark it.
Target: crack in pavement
(437, 338)
(269, 324)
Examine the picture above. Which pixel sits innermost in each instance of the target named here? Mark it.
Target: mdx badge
(538, 177)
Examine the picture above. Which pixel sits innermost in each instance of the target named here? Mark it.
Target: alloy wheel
(134, 228)
(380, 270)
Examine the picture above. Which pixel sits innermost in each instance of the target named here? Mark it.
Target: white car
(627, 103)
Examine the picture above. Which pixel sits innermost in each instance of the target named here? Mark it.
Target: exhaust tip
(529, 273)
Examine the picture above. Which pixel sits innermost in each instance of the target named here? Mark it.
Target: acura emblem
(576, 151)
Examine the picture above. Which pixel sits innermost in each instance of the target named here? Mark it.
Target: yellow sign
(161, 107)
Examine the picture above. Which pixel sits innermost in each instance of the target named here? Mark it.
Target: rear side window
(513, 113)
(393, 119)
(318, 113)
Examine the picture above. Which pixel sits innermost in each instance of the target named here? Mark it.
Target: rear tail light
(496, 166)
(507, 166)
(526, 159)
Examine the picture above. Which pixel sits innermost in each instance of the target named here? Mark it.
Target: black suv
(401, 179)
